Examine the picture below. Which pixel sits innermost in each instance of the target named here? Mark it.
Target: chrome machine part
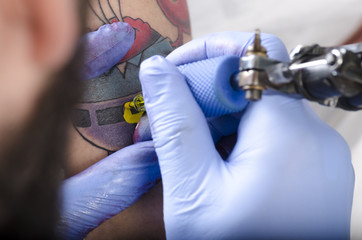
(329, 75)
(252, 77)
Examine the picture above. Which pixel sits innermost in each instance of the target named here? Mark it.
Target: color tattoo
(178, 14)
(99, 116)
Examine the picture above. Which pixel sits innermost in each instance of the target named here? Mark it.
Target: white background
(296, 22)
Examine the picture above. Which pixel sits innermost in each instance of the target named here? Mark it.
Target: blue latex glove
(289, 176)
(105, 47)
(106, 188)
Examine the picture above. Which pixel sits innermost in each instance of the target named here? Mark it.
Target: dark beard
(30, 170)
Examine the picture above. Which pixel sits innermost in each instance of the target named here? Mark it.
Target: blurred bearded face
(38, 87)
(30, 165)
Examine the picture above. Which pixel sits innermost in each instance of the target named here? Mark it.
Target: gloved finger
(219, 127)
(105, 47)
(142, 131)
(223, 130)
(106, 188)
(226, 43)
(179, 129)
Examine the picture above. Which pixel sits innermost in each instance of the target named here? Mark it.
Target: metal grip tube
(209, 82)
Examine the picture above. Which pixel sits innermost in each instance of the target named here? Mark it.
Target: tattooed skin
(99, 116)
(177, 12)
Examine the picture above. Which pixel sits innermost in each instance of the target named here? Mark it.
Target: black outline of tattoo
(110, 6)
(120, 9)
(95, 13)
(92, 143)
(104, 15)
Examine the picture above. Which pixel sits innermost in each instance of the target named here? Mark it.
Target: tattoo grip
(209, 82)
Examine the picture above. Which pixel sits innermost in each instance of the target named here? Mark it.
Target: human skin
(161, 26)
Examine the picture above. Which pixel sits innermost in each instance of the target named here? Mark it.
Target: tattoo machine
(331, 76)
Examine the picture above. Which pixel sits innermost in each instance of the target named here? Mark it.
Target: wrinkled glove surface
(289, 175)
(106, 189)
(105, 47)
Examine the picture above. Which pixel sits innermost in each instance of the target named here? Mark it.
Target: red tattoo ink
(177, 12)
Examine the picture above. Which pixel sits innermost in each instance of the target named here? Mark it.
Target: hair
(30, 172)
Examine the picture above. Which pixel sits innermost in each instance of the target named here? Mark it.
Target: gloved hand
(105, 47)
(106, 189)
(116, 182)
(289, 175)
